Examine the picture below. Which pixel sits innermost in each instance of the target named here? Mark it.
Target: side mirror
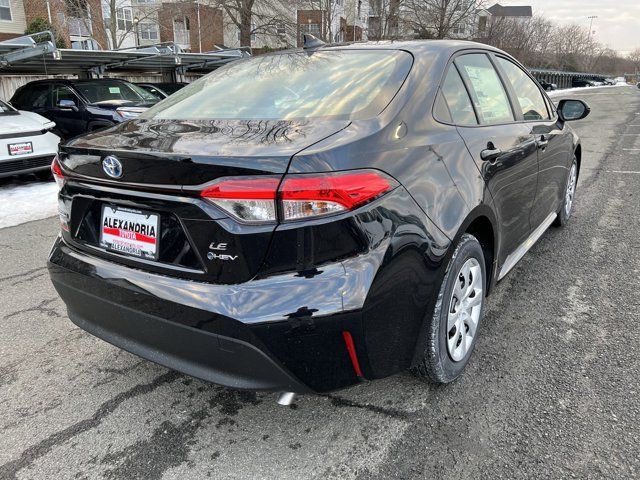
(569, 110)
(67, 105)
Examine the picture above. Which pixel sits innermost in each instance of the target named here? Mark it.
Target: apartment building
(497, 11)
(196, 26)
(12, 19)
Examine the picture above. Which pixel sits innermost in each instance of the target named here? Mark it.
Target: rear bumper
(20, 165)
(169, 321)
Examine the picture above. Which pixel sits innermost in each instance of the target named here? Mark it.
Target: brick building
(87, 24)
(192, 26)
(79, 23)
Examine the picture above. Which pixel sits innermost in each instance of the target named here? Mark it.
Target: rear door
(554, 141)
(503, 148)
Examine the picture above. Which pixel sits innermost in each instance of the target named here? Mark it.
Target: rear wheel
(453, 329)
(569, 194)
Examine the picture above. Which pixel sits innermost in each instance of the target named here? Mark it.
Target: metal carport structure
(30, 55)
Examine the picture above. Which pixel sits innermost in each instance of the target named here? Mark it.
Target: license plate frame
(15, 151)
(128, 241)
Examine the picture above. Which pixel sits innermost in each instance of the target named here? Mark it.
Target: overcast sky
(617, 25)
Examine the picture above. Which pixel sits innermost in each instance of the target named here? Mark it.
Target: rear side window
(336, 84)
(487, 91)
(457, 99)
(34, 96)
(530, 98)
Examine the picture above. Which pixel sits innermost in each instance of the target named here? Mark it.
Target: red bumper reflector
(351, 348)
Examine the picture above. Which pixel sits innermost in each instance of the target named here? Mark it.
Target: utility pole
(199, 29)
(591, 23)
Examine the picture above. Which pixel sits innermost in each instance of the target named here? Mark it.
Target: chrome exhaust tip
(286, 398)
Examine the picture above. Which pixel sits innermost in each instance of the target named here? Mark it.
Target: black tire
(563, 213)
(436, 363)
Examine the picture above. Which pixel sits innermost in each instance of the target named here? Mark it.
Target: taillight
(56, 170)
(249, 199)
(300, 196)
(305, 196)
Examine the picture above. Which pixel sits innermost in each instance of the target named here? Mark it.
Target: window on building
(458, 29)
(181, 31)
(124, 17)
(281, 28)
(79, 18)
(106, 10)
(5, 10)
(482, 24)
(148, 31)
(311, 28)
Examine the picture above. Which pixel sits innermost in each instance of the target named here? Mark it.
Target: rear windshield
(105, 91)
(338, 84)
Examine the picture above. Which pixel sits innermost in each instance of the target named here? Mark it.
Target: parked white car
(26, 142)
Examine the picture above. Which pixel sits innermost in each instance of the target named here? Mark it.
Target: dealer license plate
(22, 148)
(129, 231)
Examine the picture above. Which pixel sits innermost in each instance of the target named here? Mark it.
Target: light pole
(136, 21)
(591, 24)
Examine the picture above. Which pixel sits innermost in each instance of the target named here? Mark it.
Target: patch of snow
(23, 201)
(564, 91)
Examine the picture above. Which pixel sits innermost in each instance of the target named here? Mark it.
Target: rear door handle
(490, 154)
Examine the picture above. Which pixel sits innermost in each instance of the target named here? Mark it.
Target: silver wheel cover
(571, 190)
(465, 306)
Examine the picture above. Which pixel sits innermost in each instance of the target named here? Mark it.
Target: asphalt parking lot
(553, 389)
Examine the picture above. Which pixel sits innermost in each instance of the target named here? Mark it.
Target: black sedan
(305, 220)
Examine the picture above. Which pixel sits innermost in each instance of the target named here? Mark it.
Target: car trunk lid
(163, 163)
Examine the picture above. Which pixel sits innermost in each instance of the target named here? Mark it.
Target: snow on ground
(562, 92)
(23, 200)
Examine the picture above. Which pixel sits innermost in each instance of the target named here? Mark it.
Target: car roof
(73, 81)
(414, 46)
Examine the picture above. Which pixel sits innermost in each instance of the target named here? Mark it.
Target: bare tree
(528, 40)
(634, 58)
(270, 18)
(117, 26)
(440, 17)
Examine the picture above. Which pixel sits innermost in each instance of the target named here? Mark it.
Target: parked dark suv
(162, 90)
(304, 220)
(81, 106)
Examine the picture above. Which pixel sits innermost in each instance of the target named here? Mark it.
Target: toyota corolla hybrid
(305, 220)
